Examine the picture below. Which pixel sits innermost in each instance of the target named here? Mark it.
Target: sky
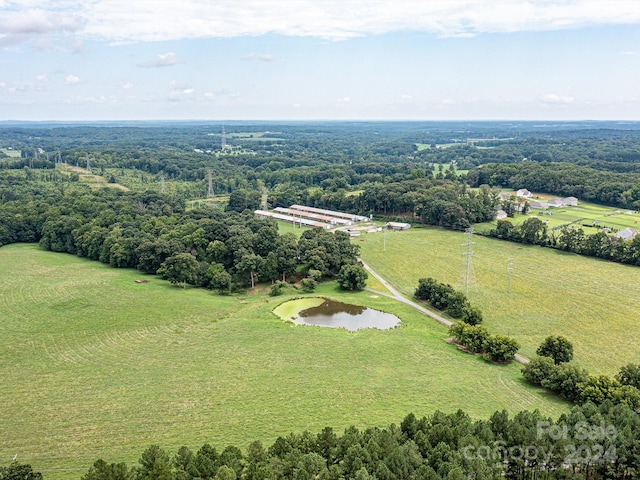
(319, 60)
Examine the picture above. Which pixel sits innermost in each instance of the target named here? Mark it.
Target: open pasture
(10, 152)
(95, 365)
(588, 216)
(590, 301)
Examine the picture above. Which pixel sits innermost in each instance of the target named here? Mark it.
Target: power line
(468, 275)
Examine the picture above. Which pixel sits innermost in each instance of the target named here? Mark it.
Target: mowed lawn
(592, 302)
(95, 365)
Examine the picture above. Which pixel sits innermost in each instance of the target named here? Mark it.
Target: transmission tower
(264, 194)
(88, 164)
(509, 270)
(210, 189)
(223, 142)
(468, 275)
(162, 186)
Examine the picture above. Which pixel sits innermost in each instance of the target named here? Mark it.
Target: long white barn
(294, 220)
(313, 216)
(331, 213)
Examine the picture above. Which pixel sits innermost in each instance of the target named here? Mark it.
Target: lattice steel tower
(210, 189)
(468, 275)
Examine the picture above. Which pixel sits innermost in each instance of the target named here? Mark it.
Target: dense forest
(444, 174)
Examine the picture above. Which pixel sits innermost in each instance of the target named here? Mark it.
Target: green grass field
(96, 365)
(592, 302)
(583, 215)
(11, 152)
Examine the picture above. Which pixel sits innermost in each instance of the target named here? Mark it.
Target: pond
(322, 312)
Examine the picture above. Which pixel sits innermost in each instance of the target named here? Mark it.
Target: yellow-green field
(96, 365)
(588, 216)
(592, 302)
(11, 153)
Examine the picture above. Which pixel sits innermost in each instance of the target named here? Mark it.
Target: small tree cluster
(477, 339)
(574, 383)
(443, 297)
(19, 471)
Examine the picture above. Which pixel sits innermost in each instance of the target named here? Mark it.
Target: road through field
(401, 298)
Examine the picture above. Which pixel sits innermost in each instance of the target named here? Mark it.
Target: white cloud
(127, 86)
(405, 97)
(344, 100)
(42, 78)
(22, 24)
(265, 57)
(448, 101)
(552, 98)
(162, 60)
(73, 80)
(152, 20)
(2, 84)
(628, 52)
(188, 91)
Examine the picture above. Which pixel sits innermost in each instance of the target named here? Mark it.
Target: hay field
(96, 365)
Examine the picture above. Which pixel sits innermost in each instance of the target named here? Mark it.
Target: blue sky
(315, 59)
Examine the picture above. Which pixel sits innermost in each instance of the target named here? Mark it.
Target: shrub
(472, 337)
(277, 288)
(308, 284)
(500, 348)
(471, 315)
(538, 369)
(565, 379)
(629, 375)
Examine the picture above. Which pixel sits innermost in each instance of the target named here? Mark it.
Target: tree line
(571, 238)
(155, 234)
(589, 442)
(583, 182)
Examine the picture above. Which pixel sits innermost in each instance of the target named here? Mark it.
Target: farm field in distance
(590, 301)
(96, 365)
(583, 215)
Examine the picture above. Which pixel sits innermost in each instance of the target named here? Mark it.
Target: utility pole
(509, 269)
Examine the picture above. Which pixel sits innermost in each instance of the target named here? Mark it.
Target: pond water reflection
(342, 315)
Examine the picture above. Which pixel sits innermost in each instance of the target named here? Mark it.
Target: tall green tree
(181, 268)
(352, 277)
(629, 375)
(154, 465)
(101, 470)
(557, 347)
